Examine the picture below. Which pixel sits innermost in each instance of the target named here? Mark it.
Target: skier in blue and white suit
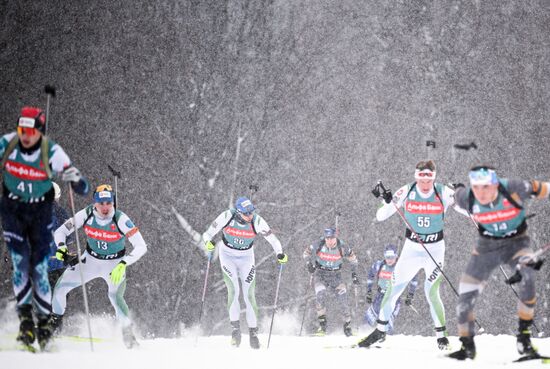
(382, 271)
(240, 226)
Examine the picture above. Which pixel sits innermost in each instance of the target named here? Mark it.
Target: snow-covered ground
(286, 350)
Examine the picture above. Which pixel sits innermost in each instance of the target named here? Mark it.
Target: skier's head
(330, 236)
(31, 126)
(245, 209)
(57, 191)
(424, 174)
(484, 182)
(390, 254)
(104, 199)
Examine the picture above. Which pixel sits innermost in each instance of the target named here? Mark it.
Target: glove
(282, 258)
(354, 278)
(71, 174)
(61, 252)
(209, 246)
(409, 299)
(310, 267)
(368, 298)
(117, 274)
(387, 196)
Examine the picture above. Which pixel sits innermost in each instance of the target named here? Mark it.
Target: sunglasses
(104, 188)
(27, 131)
(247, 214)
(425, 175)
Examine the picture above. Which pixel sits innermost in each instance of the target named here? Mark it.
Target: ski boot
(26, 335)
(235, 334)
(322, 330)
(347, 329)
(56, 322)
(524, 338)
(254, 341)
(128, 337)
(467, 351)
(374, 337)
(44, 332)
(442, 340)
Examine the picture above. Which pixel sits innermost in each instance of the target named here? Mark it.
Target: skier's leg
(408, 264)
(374, 309)
(433, 280)
(247, 275)
(116, 292)
(231, 279)
(40, 239)
(527, 298)
(69, 280)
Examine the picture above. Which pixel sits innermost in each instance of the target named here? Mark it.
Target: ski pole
(117, 175)
(275, 303)
(50, 93)
(305, 305)
(425, 249)
(84, 294)
(204, 290)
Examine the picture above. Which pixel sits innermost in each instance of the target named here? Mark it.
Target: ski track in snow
(285, 351)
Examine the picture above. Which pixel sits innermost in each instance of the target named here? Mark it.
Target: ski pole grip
(114, 172)
(50, 90)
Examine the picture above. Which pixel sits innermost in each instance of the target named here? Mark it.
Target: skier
(106, 230)
(383, 271)
(56, 267)
(239, 227)
(496, 205)
(424, 205)
(326, 256)
(29, 161)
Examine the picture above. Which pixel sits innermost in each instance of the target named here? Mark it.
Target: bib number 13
(423, 222)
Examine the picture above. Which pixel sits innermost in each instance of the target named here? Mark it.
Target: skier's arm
(448, 198)
(375, 267)
(387, 210)
(352, 258)
(263, 228)
(216, 226)
(307, 255)
(133, 235)
(4, 141)
(60, 235)
(60, 163)
(528, 189)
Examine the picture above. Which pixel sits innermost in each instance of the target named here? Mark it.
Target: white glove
(71, 174)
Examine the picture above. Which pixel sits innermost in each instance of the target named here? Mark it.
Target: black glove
(310, 267)
(354, 278)
(409, 299)
(368, 298)
(387, 196)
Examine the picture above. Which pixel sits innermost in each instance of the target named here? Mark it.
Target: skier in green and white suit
(424, 205)
(105, 257)
(240, 226)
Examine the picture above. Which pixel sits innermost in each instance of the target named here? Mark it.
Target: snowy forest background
(310, 101)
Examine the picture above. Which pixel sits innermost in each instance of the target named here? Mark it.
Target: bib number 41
(21, 187)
